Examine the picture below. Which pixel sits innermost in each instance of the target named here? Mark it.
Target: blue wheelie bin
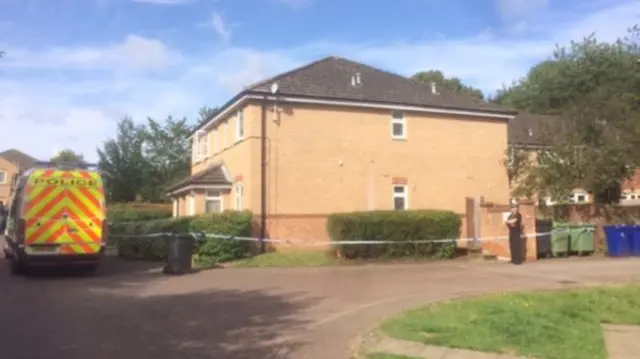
(634, 241)
(618, 239)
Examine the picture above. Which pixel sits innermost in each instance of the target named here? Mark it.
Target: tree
(450, 83)
(206, 113)
(68, 157)
(532, 93)
(167, 152)
(594, 89)
(123, 164)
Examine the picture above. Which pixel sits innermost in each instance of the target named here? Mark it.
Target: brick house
(335, 136)
(528, 132)
(12, 162)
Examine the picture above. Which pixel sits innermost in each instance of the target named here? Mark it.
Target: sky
(73, 68)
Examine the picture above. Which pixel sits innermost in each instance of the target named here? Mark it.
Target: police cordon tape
(205, 235)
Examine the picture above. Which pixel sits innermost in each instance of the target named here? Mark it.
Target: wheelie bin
(560, 239)
(582, 238)
(634, 240)
(179, 256)
(618, 244)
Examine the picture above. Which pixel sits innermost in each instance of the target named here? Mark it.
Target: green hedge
(395, 226)
(208, 252)
(132, 212)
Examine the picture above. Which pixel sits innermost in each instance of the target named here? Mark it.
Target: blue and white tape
(205, 235)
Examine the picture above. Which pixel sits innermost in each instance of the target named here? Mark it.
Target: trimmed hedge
(132, 212)
(395, 226)
(208, 252)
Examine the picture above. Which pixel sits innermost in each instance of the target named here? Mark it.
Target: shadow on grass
(131, 310)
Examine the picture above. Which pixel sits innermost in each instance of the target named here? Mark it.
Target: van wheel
(17, 267)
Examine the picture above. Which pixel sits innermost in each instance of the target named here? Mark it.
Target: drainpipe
(263, 176)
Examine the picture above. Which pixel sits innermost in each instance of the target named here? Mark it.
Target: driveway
(132, 311)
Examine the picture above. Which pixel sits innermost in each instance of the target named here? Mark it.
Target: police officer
(516, 244)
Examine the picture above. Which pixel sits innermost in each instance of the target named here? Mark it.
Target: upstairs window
(200, 149)
(203, 145)
(240, 126)
(226, 134)
(398, 126)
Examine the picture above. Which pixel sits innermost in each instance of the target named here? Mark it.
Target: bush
(132, 244)
(132, 212)
(395, 226)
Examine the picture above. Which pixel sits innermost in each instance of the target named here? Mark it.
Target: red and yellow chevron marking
(48, 201)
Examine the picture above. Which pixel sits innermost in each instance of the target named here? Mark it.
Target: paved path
(131, 311)
(621, 342)
(416, 350)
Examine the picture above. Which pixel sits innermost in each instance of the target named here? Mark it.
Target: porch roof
(215, 175)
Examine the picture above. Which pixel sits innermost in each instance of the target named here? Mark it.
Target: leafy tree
(532, 93)
(167, 153)
(206, 113)
(68, 157)
(450, 83)
(123, 164)
(594, 89)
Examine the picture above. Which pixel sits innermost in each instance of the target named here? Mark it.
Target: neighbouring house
(338, 136)
(528, 132)
(12, 162)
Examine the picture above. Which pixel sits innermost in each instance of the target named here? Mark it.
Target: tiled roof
(330, 79)
(213, 175)
(22, 159)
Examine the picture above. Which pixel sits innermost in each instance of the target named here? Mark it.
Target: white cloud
(134, 53)
(76, 94)
(218, 24)
(510, 9)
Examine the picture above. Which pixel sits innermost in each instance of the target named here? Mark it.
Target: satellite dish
(274, 88)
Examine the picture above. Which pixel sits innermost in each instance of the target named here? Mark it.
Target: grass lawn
(547, 325)
(288, 259)
(388, 356)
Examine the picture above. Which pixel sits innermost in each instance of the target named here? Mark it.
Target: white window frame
(226, 134)
(217, 197)
(402, 120)
(194, 149)
(240, 125)
(404, 194)
(630, 195)
(175, 207)
(239, 197)
(3, 180)
(202, 146)
(571, 199)
(192, 203)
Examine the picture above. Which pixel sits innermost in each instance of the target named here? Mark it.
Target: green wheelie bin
(560, 239)
(582, 239)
